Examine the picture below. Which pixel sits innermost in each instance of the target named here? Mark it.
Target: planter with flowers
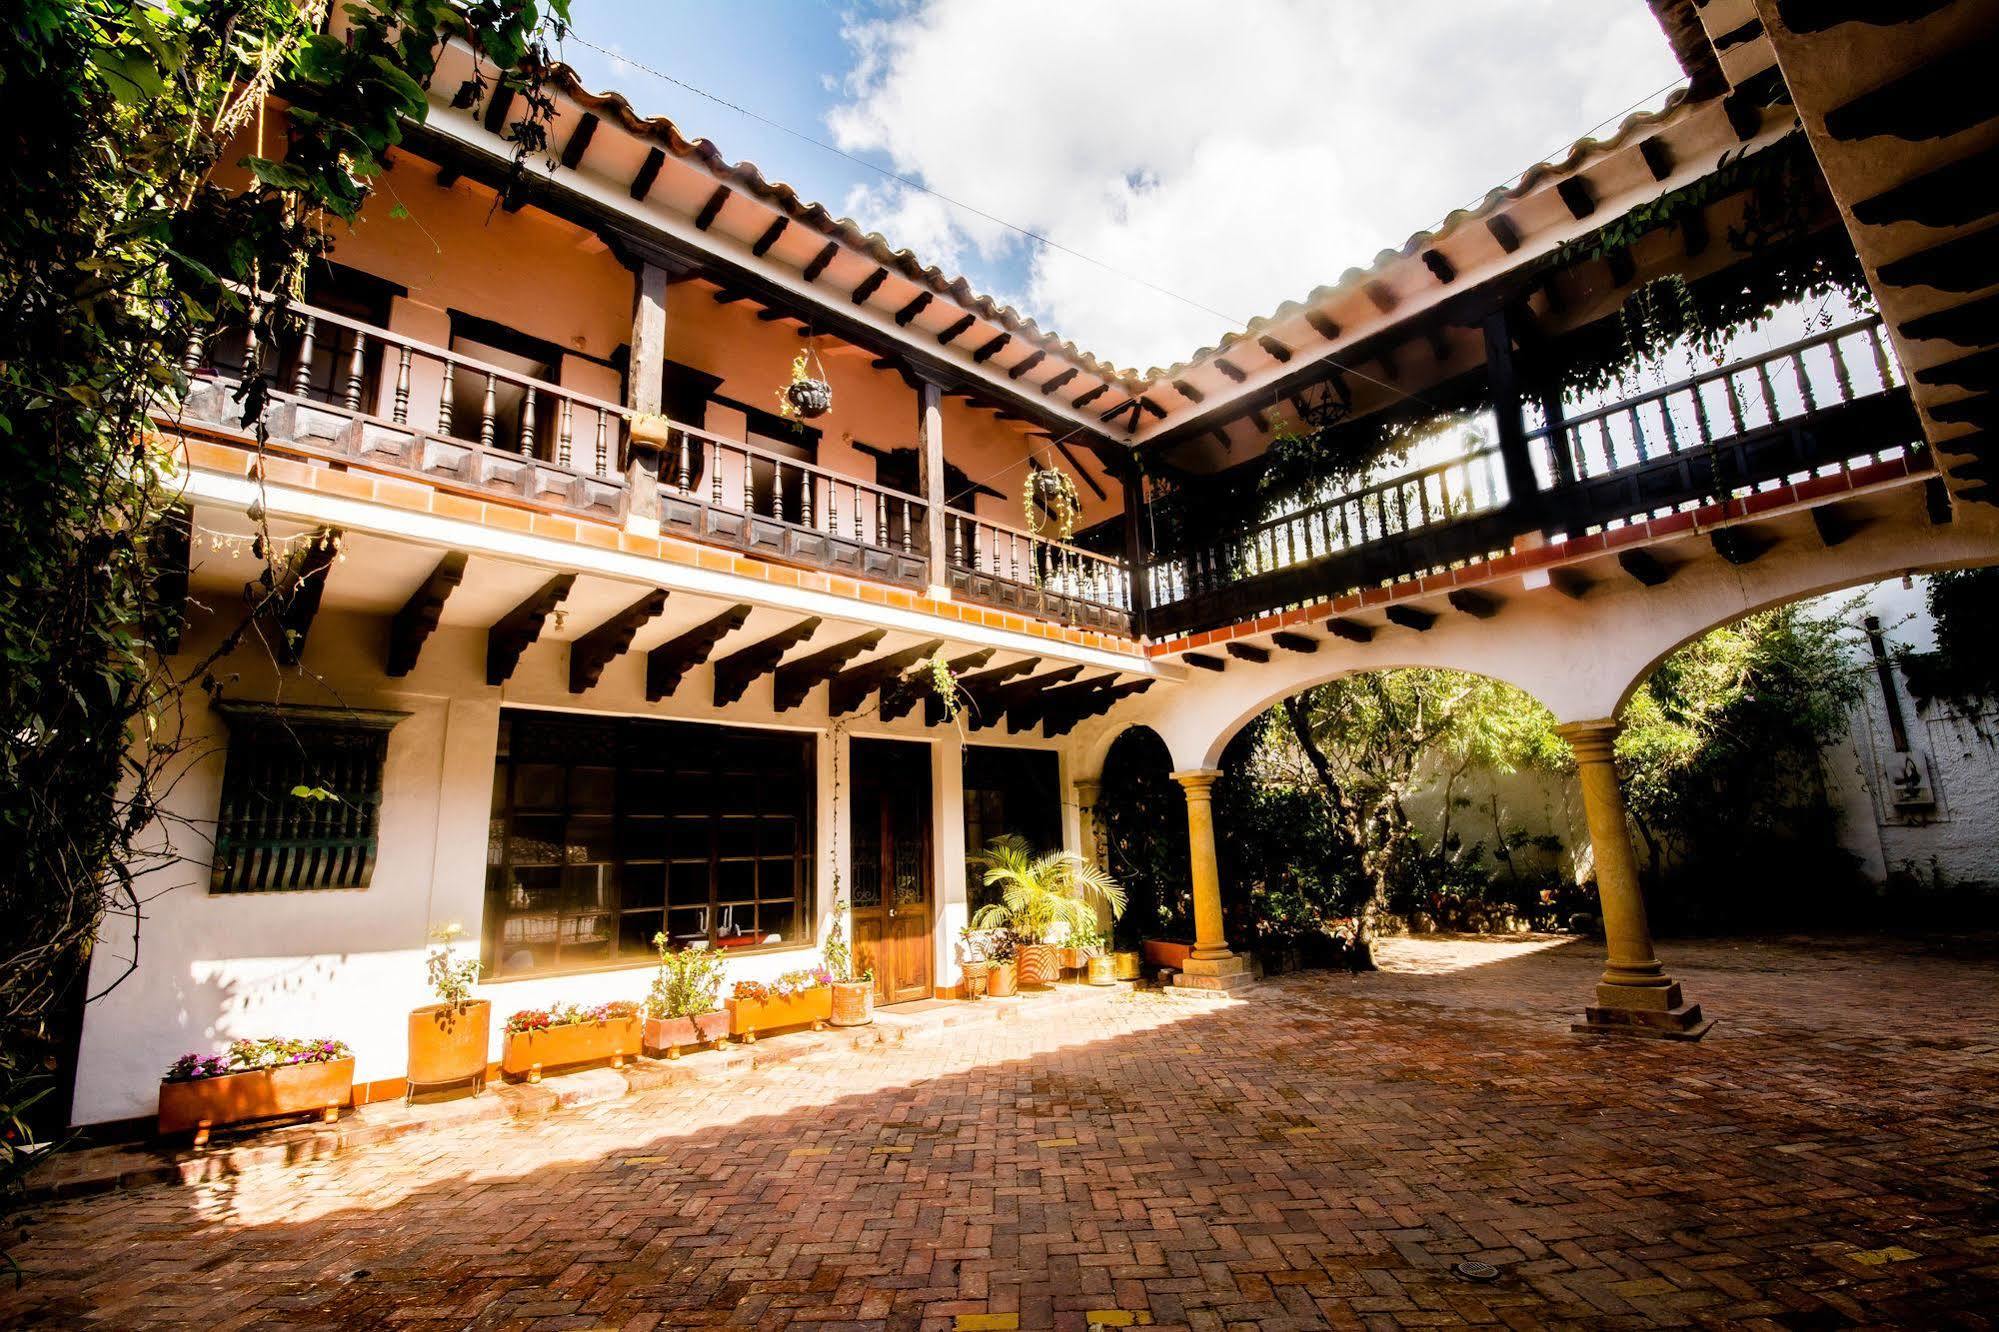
(685, 1005)
(1001, 949)
(853, 1000)
(254, 1080)
(567, 1035)
(449, 1040)
(1043, 897)
(795, 999)
(976, 964)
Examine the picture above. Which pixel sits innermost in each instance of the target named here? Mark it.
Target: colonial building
(592, 643)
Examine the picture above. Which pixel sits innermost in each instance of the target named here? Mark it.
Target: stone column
(1634, 995)
(1086, 807)
(930, 471)
(649, 436)
(1212, 966)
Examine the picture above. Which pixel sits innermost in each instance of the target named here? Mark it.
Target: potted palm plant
(1042, 896)
(853, 996)
(684, 1006)
(450, 1039)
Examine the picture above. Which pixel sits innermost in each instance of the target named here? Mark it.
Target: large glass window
(606, 831)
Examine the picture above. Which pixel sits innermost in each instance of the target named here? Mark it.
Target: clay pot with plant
(684, 1006)
(1003, 980)
(853, 996)
(974, 965)
(449, 1040)
(1043, 897)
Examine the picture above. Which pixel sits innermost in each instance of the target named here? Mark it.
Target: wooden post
(1523, 494)
(930, 469)
(1137, 556)
(643, 383)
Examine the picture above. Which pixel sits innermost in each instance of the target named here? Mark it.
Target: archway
(1140, 813)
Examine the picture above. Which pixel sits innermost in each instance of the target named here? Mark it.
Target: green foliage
(1038, 893)
(1719, 761)
(118, 249)
(1963, 668)
(689, 980)
(451, 977)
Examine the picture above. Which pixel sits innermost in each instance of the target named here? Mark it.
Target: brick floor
(1321, 1155)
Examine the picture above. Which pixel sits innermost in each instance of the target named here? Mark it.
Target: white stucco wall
(348, 963)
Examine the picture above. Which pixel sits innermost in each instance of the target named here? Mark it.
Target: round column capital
(1198, 782)
(1591, 741)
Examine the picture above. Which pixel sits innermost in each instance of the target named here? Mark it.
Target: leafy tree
(1963, 668)
(1719, 760)
(119, 248)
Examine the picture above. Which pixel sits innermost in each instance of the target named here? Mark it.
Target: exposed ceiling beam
(797, 679)
(590, 654)
(952, 334)
(1021, 367)
(1644, 567)
(770, 236)
(820, 260)
(899, 697)
(292, 620)
(519, 627)
(913, 309)
(667, 665)
(1475, 604)
(713, 208)
(648, 173)
(1351, 630)
(736, 672)
(850, 688)
(418, 618)
(990, 349)
(869, 285)
(1411, 617)
(1249, 652)
(579, 141)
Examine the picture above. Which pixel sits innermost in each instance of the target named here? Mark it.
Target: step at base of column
(1683, 1023)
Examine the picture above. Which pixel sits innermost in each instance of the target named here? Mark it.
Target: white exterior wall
(349, 963)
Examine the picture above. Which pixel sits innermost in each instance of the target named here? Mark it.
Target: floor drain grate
(1473, 1270)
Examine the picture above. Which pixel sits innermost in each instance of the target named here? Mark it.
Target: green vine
(1050, 491)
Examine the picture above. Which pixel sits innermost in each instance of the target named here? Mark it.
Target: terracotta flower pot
(1073, 959)
(976, 974)
(1126, 964)
(669, 1034)
(448, 1044)
(1102, 971)
(263, 1093)
(1037, 964)
(1167, 953)
(853, 1003)
(747, 1017)
(1003, 981)
(528, 1053)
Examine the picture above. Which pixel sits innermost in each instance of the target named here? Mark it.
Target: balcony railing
(1002, 566)
(1825, 403)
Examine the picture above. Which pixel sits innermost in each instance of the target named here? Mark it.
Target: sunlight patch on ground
(1441, 954)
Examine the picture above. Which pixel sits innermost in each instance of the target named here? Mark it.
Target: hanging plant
(806, 397)
(1049, 491)
(937, 674)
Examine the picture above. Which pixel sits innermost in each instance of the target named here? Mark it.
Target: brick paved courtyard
(1321, 1155)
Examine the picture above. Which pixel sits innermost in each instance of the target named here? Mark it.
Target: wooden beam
(648, 173)
(579, 141)
(447, 176)
(1058, 724)
(1076, 465)
(1291, 642)
(418, 618)
(1231, 369)
(770, 236)
(1658, 156)
(1381, 295)
(668, 664)
(1050, 385)
(590, 654)
(510, 637)
(1622, 267)
(1203, 661)
(1693, 233)
(713, 208)
(1475, 604)
(772, 316)
(869, 285)
(1502, 229)
(1249, 652)
(974, 686)
(1322, 324)
(1259, 420)
(1351, 630)
(1936, 501)
(1152, 408)
(820, 260)
(913, 309)
(1577, 194)
(728, 297)
(1410, 617)
(1090, 397)
(1736, 544)
(1642, 566)
(985, 707)
(1029, 711)
(901, 695)
(736, 672)
(497, 106)
(952, 334)
(1571, 583)
(797, 679)
(850, 688)
(1833, 526)
(1278, 351)
(1440, 266)
(1020, 368)
(292, 619)
(987, 352)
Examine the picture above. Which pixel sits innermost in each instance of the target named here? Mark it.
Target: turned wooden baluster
(488, 421)
(806, 482)
(750, 484)
(881, 520)
(1840, 375)
(190, 360)
(603, 445)
(527, 441)
(563, 443)
(401, 414)
(684, 462)
(715, 481)
(859, 539)
(908, 527)
(302, 376)
(444, 400)
(357, 369)
(1013, 556)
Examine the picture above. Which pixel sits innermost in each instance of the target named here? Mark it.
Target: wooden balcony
(1823, 404)
(1006, 567)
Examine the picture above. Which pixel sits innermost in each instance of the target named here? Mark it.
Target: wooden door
(892, 896)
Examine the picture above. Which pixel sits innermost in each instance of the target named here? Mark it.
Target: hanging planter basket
(1049, 491)
(808, 396)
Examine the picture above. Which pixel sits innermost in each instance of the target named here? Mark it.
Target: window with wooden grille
(301, 797)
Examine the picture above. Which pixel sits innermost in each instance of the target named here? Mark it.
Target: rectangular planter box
(748, 1017)
(264, 1093)
(530, 1053)
(1167, 953)
(674, 1034)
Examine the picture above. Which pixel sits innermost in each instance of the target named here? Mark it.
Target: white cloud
(1237, 154)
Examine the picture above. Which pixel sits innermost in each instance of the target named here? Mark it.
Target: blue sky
(1197, 163)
